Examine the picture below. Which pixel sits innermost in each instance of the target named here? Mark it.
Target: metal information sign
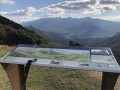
(99, 59)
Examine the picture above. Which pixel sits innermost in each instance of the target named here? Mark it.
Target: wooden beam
(15, 74)
(109, 80)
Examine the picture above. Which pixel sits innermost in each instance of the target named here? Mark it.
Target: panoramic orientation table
(84, 58)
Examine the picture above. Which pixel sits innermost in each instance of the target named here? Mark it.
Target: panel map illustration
(100, 59)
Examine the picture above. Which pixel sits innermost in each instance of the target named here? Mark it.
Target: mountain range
(85, 30)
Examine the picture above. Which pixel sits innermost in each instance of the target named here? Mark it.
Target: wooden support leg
(15, 74)
(109, 80)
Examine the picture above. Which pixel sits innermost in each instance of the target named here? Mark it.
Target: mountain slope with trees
(12, 33)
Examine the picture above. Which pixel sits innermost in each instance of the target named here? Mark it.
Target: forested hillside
(12, 33)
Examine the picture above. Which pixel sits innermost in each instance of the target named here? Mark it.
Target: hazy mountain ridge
(85, 30)
(46, 35)
(80, 27)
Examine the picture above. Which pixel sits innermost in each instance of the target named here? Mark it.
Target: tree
(73, 43)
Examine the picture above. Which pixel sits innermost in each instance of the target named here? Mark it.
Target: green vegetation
(73, 43)
(51, 54)
(46, 78)
(12, 33)
(4, 50)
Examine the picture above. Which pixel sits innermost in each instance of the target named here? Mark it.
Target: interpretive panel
(100, 59)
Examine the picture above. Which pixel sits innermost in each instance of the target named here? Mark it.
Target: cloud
(3, 13)
(92, 12)
(27, 12)
(61, 9)
(54, 10)
(21, 19)
(111, 18)
(69, 6)
(24, 19)
(110, 2)
(86, 6)
(7, 2)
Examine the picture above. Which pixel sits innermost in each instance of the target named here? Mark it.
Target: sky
(28, 10)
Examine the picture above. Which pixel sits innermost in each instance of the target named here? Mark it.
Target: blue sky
(27, 10)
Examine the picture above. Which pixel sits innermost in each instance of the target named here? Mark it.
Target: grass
(61, 79)
(4, 50)
(47, 78)
(4, 81)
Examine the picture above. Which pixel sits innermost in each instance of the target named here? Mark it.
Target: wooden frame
(15, 74)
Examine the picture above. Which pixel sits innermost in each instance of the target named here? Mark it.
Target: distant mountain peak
(88, 18)
(118, 33)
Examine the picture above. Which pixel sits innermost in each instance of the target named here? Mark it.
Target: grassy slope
(46, 78)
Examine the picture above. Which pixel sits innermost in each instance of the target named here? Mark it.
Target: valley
(89, 31)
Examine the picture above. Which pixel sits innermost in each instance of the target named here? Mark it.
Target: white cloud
(111, 18)
(24, 19)
(3, 13)
(108, 4)
(94, 12)
(7, 2)
(69, 5)
(27, 12)
(29, 18)
(21, 19)
(87, 6)
(60, 9)
(51, 10)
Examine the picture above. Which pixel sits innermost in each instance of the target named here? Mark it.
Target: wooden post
(15, 74)
(109, 80)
